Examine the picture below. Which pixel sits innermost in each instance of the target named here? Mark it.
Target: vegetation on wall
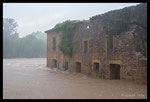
(66, 37)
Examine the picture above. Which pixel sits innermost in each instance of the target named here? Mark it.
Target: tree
(9, 34)
(30, 46)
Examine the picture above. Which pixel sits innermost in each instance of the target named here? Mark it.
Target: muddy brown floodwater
(30, 79)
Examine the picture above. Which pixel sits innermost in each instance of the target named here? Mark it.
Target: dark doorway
(54, 63)
(66, 65)
(96, 67)
(114, 71)
(78, 67)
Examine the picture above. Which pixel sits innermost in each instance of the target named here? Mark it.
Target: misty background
(24, 24)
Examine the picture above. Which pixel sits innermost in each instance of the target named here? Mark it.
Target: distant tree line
(30, 46)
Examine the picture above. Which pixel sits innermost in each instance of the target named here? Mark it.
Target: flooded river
(30, 79)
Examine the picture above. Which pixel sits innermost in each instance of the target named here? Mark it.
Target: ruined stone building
(112, 45)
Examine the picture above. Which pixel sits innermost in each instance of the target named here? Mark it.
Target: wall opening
(143, 63)
(54, 43)
(66, 65)
(109, 44)
(96, 67)
(85, 46)
(78, 67)
(54, 63)
(114, 71)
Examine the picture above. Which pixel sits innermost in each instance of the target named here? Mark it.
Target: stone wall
(124, 51)
(125, 36)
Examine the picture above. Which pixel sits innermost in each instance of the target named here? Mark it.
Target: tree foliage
(32, 45)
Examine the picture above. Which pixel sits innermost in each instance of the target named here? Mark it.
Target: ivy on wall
(66, 37)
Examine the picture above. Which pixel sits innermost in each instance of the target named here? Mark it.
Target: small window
(110, 44)
(87, 27)
(54, 43)
(85, 46)
(96, 67)
(143, 63)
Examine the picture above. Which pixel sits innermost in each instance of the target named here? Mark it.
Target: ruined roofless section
(121, 17)
(112, 45)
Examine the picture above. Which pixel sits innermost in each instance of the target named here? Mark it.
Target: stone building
(109, 46)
